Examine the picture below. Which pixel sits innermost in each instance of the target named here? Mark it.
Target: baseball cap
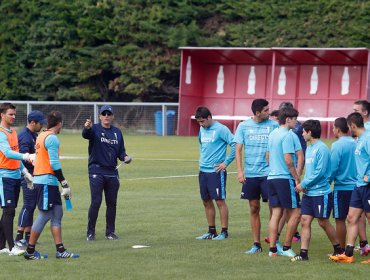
(36, 116)
(106, 108)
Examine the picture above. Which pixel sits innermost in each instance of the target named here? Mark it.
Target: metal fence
(133, 118)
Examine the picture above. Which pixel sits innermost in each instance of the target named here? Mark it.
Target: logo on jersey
(104, 139)
(208, 137)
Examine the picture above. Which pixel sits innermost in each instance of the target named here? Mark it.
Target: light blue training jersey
(367, 125)
(316, 178)
(343, 164)
(52, 145)
(213, 142)
(297, 146)
(9, 153)
(254, 136)
(280, 142)
(362, 158)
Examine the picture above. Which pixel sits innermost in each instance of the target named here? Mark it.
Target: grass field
(165, 213)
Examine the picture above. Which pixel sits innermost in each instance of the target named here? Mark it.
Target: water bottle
(220, 81)
(68, 204)
(314, 81)
(188, 72)
(252, 82)
(345, 81)
(282, 82)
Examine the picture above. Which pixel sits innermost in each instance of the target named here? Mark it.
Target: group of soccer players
(39, 189)
(36, 157)
(273, 166)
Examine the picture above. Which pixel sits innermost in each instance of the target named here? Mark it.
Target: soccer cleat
(288, 253)
(222, 236)
(267, 239)
(342, 259)
(21, 243)
(4, 251)
(364, 251)
(271, 254)
(111, 236)
(279, 246)
(90, 237)
(67, 255)
(254, 250)
(35, 256)
(207, 235)
(366, 262)
(298, 258)
(16, 251)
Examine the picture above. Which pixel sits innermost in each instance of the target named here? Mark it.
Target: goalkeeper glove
(66, 190)
(28, 177)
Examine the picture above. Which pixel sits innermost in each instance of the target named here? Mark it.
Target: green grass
(166, 214)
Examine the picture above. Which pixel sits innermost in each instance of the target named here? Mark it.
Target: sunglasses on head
(106, 113)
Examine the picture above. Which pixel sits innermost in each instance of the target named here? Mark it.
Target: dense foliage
(123, 50)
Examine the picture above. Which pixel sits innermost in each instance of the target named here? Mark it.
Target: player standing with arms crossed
(213, 139)
(106, 145)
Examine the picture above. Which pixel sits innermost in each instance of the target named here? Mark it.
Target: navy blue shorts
(341, 201)
(47, 196)
(255, 188)
(317, 206)
(25, 218)
(212, 185)
(361, 198)
(282, 194)
(9, 192)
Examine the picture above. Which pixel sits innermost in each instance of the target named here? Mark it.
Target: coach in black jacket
(106, 145)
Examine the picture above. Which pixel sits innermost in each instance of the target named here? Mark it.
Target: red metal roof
(283, 56)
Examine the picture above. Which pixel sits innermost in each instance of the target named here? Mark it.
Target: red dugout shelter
(322, 83)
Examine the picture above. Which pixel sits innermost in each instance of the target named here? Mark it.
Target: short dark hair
(285, 104)
(258, 104)
(355, 118)
(275, 113)
(314, 126)
(54, 118)
(341, 124)
(287, 112)
(365, 105)
(5, 106)
(202, 113)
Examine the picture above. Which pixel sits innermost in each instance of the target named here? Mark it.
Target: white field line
(150, 159)
(145, 159)
(167, 177)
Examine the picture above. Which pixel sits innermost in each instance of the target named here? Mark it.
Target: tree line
(122, 50)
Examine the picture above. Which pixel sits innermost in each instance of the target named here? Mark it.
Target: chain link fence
(133, 118)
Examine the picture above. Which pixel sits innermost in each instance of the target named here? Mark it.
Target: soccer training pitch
(159, 206)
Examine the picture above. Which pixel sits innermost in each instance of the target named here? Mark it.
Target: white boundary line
(167, 177)
(146, 159)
